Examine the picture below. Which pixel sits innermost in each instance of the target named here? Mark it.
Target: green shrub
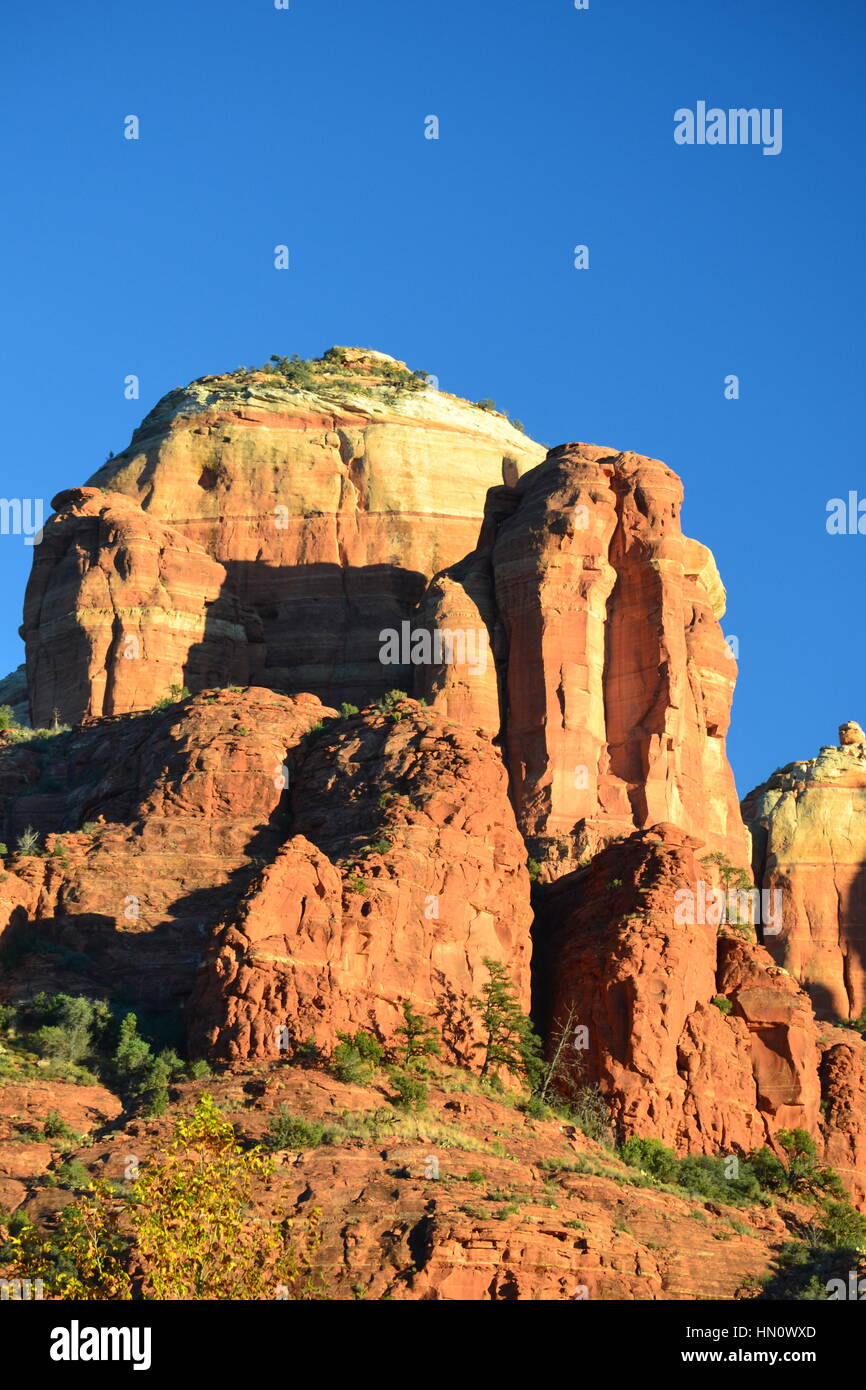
(176, 693)
(723, 1005)
(28, 841)
(390, 704)
(843, 1227)
(713, 1177)
(72, 1173)
(706, 1175)
(804, 1174)
(356, 1057)
(132, 1053)
(803, 1271)
(152, 1089)
(411, 1093)
(348, 711)
(63, 1026)
(55, 1127)
(731, 877)
(308, 1054)
(380, 846)
(366, 1044)
(536, 1108)
(769, 1170)
(650, 1156)
(298, 371)
(142, 1076)
(420, 1037)
(288, 1131)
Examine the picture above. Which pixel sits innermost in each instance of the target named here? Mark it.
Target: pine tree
(419, 1036)
(132, 1052)
(511, 1039)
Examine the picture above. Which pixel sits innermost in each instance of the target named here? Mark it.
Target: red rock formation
(643, 983)
(782, 1033)
(13, 692)
(809, 833)
(336, 933)
(556, 1217)
(308, 513)
(616, 680)
(330, 869)
(119, 608)
(843, 1088)
(178, 806)
(23, 1109)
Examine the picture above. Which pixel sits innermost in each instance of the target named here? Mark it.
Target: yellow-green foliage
(187, 1229)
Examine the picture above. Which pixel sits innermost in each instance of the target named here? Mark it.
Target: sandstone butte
(283, 855)
(262, 527)
(809, 837)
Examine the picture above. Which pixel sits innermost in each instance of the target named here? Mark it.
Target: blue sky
(306, 127)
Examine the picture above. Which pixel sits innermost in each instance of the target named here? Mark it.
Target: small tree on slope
(511, 1040)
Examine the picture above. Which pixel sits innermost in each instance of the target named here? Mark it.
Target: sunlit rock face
(609, 676)
(313, 507)
(808, 824)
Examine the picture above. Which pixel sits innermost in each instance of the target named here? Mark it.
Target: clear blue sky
(306, 127)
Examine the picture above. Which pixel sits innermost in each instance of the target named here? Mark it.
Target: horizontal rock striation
(274, 524)
(808, 824)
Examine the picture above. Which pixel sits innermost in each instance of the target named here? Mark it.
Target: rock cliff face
(692, 1031)
(608, 671)
(306, 508)
(337, 932)
(809, 832)
(643, 982)
(324, 874)
(14, 693)
(119, 608)
(176, 807)
(269, 529)
(297, 849)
